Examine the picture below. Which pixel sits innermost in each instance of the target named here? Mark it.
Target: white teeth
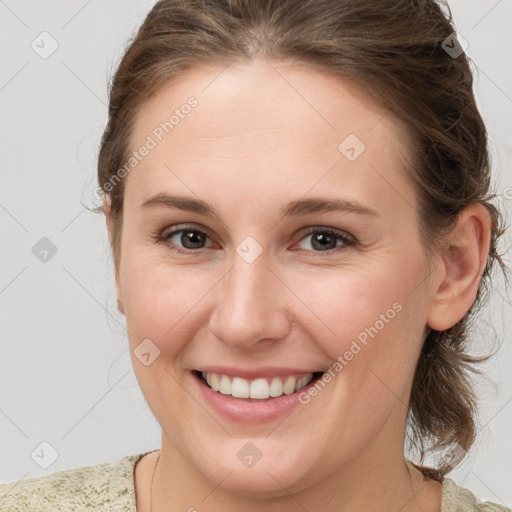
(240, 388)
(258, 389)
(215, 382)
(225, 385)
(276, 387)
(289, 385)
(302, 383)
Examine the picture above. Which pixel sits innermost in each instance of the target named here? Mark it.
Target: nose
(250, 308)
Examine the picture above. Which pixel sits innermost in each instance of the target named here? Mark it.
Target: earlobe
(463, 261)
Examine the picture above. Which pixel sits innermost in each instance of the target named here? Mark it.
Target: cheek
(370, 325)
(160, 299)
(161, 305)
(368, 319)
(345, 304)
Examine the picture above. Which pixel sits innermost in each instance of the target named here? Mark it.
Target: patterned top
(110, 487)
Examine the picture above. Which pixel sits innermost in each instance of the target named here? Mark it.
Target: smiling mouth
(257, 389)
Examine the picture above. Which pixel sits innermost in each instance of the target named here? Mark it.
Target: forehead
(255, 95)
(262, 124)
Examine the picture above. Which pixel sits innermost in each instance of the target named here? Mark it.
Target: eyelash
(347, 240)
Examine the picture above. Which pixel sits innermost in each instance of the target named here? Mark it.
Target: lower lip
(250, 410)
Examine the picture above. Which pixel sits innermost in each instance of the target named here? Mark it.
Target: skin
(264, 134)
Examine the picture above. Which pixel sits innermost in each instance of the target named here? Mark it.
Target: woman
(297, 198)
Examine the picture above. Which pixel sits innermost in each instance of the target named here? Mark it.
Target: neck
(368, 483)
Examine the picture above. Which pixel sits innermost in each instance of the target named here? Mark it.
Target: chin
(258, 483)
(260, 468)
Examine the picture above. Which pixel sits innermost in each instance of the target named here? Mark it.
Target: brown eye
(186, 240)
(192, 239)
(323, 240)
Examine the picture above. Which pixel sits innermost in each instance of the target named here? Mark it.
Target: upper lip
(255, 373)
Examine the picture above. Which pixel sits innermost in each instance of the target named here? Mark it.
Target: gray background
(66, 375)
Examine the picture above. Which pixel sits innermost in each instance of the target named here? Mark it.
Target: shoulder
(460, 499)
(96, 487)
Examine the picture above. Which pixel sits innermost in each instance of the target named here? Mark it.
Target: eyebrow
(183, 203)
(292, 209)
(316, 205)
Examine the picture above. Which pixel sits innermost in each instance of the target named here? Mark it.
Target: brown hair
(394, 50)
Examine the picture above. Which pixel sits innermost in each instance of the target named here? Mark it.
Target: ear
(107, 210)
(462, 262)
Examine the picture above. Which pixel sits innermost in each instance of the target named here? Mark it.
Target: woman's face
(294, 248)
